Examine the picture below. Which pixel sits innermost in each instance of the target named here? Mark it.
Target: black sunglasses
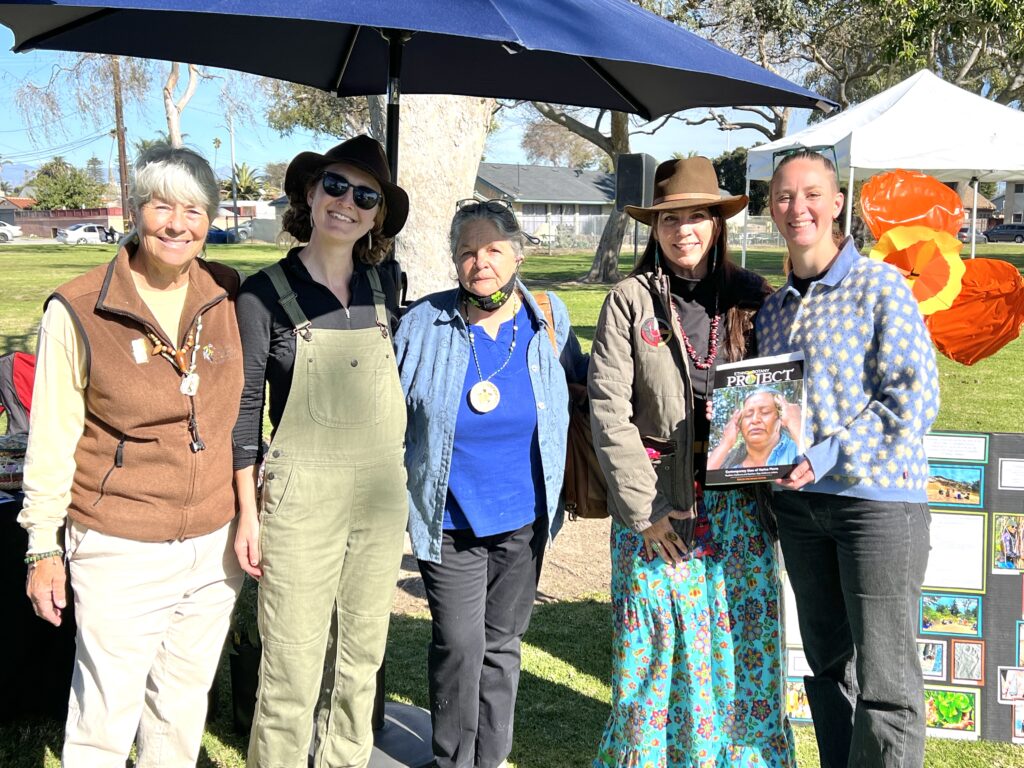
(337, 185)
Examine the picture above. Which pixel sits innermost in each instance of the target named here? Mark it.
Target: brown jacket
(136, 476)
(640, 396)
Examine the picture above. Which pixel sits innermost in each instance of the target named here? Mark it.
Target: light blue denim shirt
(432, 350)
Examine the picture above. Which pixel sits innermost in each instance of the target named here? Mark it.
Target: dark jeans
(856, 567)
(481, 597)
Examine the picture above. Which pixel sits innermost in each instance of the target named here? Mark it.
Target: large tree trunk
(441, 140)
(605, 267)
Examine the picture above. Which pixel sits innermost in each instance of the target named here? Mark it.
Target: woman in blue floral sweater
(853, 515)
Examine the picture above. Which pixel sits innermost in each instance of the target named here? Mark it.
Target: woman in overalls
(325, 540)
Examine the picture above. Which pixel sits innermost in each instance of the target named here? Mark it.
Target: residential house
(1010, 204)
(986, 208)
(562, 206)
(9, 206)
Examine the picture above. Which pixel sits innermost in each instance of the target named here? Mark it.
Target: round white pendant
(484, 396)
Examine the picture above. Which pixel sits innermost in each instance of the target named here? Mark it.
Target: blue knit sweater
(871, 381)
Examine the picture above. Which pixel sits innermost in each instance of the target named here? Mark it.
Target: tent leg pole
(849, 203)
(974, 216)
(746, 218)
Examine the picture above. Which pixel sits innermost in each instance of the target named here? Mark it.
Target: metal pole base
(404, 741)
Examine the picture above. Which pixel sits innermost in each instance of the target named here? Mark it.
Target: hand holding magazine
(757, 421)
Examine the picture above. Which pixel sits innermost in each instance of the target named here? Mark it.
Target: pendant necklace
(484, 395)
(177, 357)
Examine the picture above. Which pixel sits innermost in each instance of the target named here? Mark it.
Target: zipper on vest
(118, 463)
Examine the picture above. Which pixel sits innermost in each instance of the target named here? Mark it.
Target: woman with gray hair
(484, 377)
(138, 379)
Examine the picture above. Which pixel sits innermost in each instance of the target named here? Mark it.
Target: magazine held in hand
(756, 429)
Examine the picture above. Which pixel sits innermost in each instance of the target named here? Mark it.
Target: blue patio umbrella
(608, 54)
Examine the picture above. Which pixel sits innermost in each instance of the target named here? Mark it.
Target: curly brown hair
(297, 222)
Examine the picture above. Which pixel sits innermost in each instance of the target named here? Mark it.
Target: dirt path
(576, 566)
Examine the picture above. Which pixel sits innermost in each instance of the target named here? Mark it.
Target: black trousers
(481, 597)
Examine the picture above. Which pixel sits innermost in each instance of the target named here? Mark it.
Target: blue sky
(203, 120)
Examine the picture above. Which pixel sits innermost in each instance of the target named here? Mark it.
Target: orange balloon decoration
(909, 198)
(985, 317)
(929, 260)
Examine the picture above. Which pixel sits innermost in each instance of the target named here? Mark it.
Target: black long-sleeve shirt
(268, 343)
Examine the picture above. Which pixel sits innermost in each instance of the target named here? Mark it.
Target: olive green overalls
(332, 523)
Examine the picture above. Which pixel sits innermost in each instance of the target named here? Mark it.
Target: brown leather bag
(583, 487)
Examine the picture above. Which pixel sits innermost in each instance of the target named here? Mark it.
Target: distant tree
(216, 149)
(94, 167)
(273, 176)
(290, 106)
(248, 181)
(731, 168)
(547, 142)
(61, 186)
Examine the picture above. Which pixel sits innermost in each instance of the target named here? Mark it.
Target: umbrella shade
(596, 53)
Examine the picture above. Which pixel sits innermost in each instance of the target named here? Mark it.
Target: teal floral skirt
(696, 649)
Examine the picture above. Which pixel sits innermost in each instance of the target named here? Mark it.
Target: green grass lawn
(564, 691)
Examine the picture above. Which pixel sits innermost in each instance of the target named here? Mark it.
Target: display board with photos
(970, 617)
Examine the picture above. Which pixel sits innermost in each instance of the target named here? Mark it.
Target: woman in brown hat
(696, 677)
(325, 539)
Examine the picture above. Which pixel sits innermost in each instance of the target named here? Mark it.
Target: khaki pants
(152, 618)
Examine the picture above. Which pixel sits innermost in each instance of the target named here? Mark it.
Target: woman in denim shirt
(485, 451)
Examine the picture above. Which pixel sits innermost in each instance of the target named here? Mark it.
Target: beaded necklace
(184, 359)
(484, 395)
(698, 363)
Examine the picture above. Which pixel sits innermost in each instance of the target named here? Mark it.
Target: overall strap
(289, 301)
(544, 302)
(379, 306)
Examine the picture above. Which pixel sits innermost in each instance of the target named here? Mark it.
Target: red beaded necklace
(698, 363)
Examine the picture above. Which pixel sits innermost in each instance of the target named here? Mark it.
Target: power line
(33, 155)
(42, 125)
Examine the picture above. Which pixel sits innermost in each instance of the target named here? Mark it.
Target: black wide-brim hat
(687, 183)
(364, 153)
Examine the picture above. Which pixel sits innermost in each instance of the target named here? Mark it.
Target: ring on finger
(656, 546)
(671, 536)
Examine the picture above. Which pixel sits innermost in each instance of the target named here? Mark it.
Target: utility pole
(234, 183)
(122, 155)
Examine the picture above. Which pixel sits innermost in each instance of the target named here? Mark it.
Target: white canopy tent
(922, 124)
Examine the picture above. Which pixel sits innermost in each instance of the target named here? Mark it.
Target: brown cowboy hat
(367, 155)
(687, 183)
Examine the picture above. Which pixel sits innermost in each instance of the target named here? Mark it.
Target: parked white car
(8, 232)
(79, 234)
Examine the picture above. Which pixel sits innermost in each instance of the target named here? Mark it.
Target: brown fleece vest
(136, 475)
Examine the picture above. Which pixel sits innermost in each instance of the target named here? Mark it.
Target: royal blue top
(488, 445)
(432, 349)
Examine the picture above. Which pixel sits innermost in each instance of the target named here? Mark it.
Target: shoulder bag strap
(544, 302)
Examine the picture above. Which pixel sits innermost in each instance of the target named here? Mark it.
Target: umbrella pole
(974, 215)
(396, 42)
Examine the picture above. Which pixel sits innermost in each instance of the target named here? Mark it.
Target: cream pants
(152, 618)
